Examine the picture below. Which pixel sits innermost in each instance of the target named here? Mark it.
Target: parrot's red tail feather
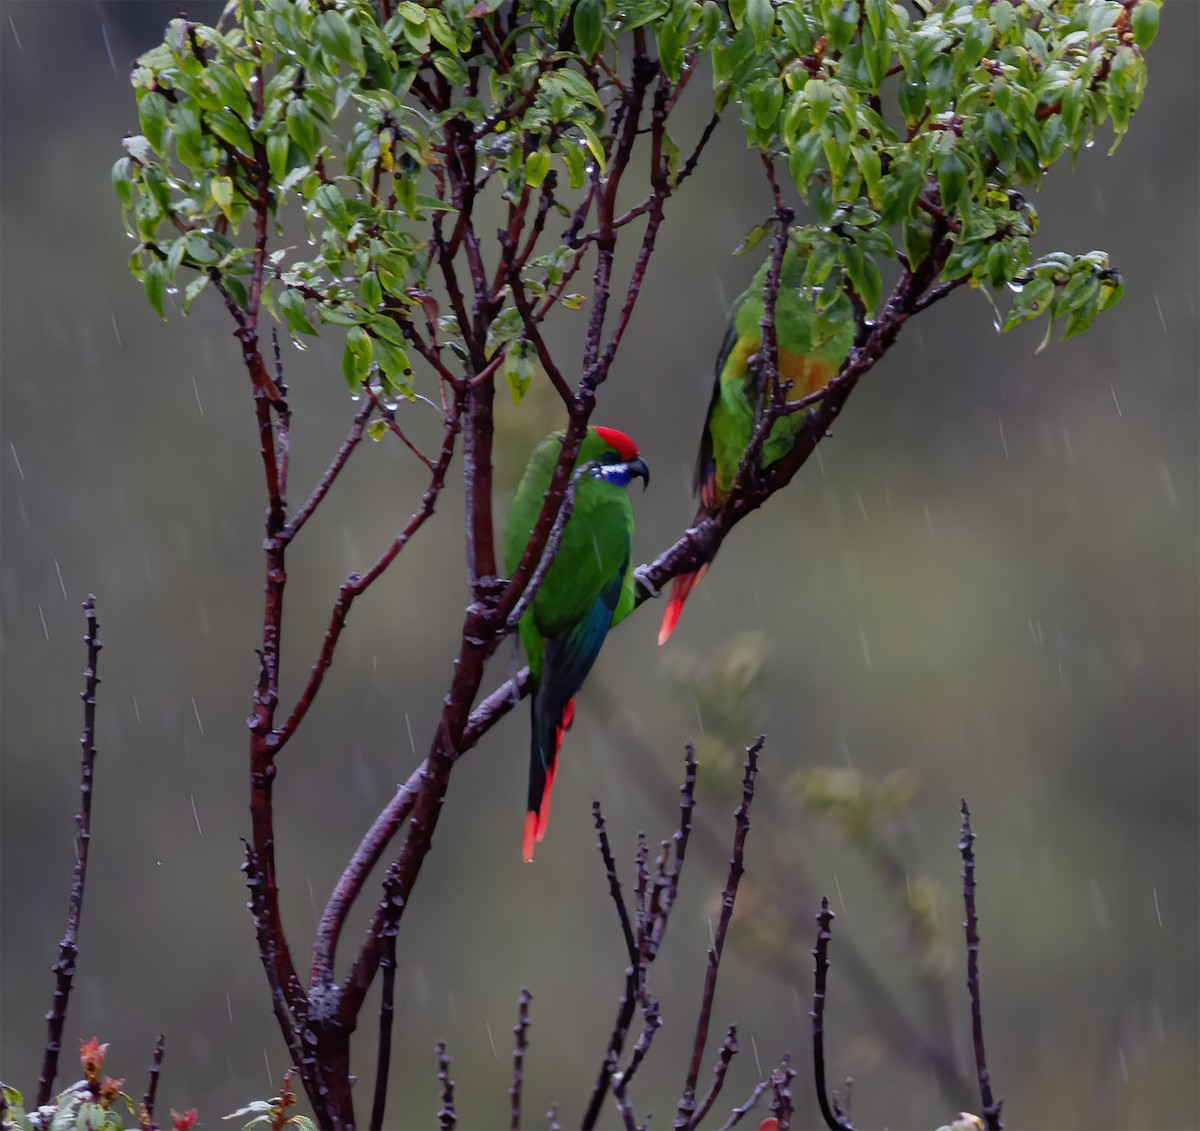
(537, 819)
(680, 588)
(543, 817)
(530, 835)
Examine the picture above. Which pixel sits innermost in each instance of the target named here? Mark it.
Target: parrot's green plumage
(811, 351)
(586, 590)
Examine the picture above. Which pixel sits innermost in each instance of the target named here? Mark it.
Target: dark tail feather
(680, 588)
(543, 766)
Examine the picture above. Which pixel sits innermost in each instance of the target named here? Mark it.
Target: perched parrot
(810, 353)
(587, 589)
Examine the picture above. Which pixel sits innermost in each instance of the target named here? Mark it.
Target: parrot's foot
(640, 576)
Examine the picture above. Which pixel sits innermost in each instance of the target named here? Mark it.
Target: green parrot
(587, 589)
(810, 353)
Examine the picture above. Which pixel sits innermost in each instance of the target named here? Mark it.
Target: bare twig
(729, 1049)
(357, 584)
(387, 965)
(148, 1099)
(447, 1117)
(614, 884)
(685, 1115)
(651, 926)
(991, 1107)
(781, 1089)
(68, 948)
(835, 1118)
(330, 474)
(735, 1116)
(520, 1044)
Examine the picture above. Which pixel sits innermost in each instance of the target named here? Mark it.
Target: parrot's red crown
(625, 448)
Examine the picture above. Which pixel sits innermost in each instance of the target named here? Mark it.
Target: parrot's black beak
(638, 467)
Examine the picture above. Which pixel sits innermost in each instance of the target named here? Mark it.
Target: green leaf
(760, 19)
(152, 117)
(1145, 23)
(356, 358)
(188, 138)
(917, 239)
(154, 279)
(229, 90)
(537, 165)
(594, 144)
(303, 128)
(519, 370)
(193, 289)
(122, 179)
(278, 144)
(576, 165)
(393, 365)
(222, 193)
(952, 180)
(291, 303)
(377, 429)
(371, 291)
(230, 129)
(588, 28)
(337, 38)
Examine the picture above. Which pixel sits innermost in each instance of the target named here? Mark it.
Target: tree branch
(991, 1107)
(520, 1044)
(68, 948)
(835, 1118)
(685, 1115)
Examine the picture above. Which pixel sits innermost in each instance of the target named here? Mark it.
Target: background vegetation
(988, 580)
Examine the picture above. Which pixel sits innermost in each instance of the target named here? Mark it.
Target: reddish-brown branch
(835, 1118)
(991, 1106)
(357, 584)
(520, 1044)
(729, 1049)
(151, 1094)
(386, 1014)
(353, 437)
(685, 1116)
(447, 1116)
(68, 947)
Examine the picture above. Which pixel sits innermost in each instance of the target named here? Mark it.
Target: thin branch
(614, 884)
(781, 1104)
(620, 1087)
(729, 1049)
(938, 293)
(685, 1115)
(652, 926)
(520, 1044)
(835, 1118)
(991, 1107)
(447, 1117)
(357, 584)
(386, 1010)
(353, 437)
(687, 806)
(530, 321)
(68, 949)
(280, 992)
(689, 166)
(146, 1112)
(735, 1116)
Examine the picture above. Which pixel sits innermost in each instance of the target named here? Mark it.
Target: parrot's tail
(543, 765)
(680, 588)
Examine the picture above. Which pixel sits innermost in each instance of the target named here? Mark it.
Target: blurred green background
(986, 586)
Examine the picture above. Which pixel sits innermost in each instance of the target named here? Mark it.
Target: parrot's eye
(608, 457)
